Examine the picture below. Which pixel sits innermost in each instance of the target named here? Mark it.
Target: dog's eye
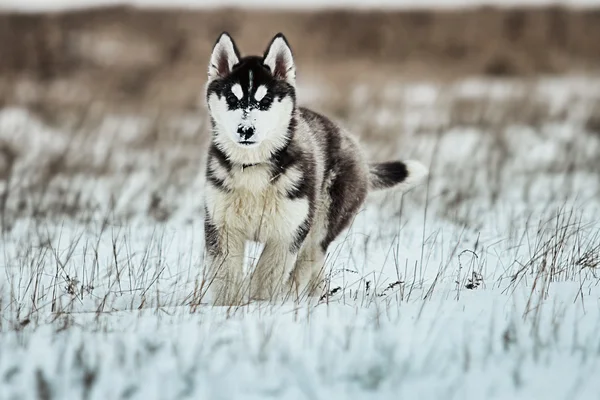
(231, 98)
(265, 101)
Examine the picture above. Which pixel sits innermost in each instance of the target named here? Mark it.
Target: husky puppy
(278, 174)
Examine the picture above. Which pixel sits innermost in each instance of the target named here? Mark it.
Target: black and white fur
(278, 174)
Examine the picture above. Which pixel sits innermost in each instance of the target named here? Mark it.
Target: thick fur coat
(278, 174)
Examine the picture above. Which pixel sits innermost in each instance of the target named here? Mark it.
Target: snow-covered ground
(484, 282)
(54, 5)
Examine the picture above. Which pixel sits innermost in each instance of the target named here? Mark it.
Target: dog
(279, 174)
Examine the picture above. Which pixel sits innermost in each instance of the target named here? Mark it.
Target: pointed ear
(224, 56)
(280, 61)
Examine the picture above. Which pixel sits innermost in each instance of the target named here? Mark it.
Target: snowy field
(483, 282)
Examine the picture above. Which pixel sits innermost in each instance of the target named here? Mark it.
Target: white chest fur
(256, 206)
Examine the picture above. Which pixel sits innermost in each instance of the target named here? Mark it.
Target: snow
(55, 5)
(482, 283)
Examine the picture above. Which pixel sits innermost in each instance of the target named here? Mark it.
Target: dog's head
(251, 99)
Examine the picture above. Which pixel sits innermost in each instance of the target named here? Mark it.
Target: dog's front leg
(274, 266)
(307, 276)
(224, 260)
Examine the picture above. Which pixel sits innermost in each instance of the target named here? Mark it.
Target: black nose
(245, 132)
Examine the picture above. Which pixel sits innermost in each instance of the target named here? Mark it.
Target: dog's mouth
(247, 142)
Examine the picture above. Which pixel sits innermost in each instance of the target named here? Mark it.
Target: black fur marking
(332, 143)
(216, 182)
(220, 156)
(302, 189)
(216, 153)
(211, 234)
(283, 89)
(341, 212)
(289, 156)
(388, 174)
(300, 235)
(346, 192)
(286, 156)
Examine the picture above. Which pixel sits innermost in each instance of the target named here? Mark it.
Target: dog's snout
(245, 132)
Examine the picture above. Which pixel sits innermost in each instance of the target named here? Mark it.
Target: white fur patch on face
(272, 124)
(237, 91)
(227, 120)
(260, 92)
(270, 128)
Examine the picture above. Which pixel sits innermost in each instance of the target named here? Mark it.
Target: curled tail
(402, 175)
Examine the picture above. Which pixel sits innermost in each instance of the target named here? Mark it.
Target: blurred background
(102, 101)
(148, 53)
